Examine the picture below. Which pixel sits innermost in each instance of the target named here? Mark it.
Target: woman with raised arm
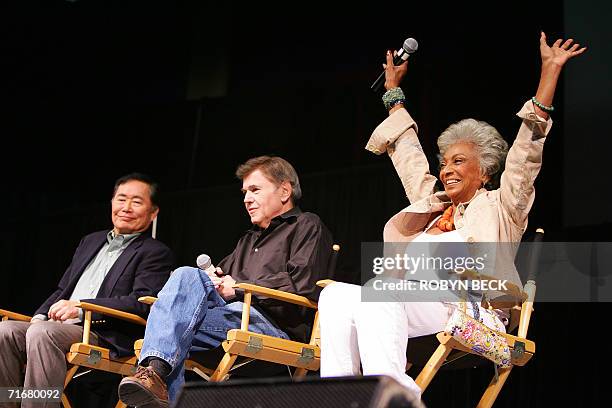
(478, 204)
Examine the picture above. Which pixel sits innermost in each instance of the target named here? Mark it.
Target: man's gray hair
(490, 146)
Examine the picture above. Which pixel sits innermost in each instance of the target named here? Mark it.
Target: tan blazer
(492, 216)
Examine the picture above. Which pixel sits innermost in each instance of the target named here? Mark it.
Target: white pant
(374, 334)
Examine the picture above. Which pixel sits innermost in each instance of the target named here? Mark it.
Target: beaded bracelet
(393, 97)
(396, 102)
(542, 106)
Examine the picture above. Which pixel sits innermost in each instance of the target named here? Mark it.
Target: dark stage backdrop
(185, 91)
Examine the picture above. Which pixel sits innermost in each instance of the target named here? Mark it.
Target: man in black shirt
(286, 249)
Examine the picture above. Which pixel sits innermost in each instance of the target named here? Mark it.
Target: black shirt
(290, 255)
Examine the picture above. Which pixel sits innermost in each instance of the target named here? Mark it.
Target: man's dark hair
(276, 169)
(153, 186)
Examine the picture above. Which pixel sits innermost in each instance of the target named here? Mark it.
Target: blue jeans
(189, 315)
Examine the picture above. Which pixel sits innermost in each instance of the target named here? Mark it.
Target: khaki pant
(33, 355)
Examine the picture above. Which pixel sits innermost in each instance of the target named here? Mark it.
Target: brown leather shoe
(144, 389)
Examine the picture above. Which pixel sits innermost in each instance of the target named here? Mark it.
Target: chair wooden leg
(300, 373)
(65, 402)
(433, 365)
(199, 369)
(492, 391)
(223, 368)
(201, 373)
(69, 376)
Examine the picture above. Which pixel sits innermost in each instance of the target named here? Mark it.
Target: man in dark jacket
(109, 268)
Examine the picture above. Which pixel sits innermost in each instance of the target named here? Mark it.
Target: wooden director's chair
(86, 355)
(245, 353)
(90, 357)
(450, 352)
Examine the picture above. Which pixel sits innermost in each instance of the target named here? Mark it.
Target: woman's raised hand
(560, 52)
(394, 73)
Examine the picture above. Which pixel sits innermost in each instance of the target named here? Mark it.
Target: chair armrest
(14, 316)
(149, 300)
(277, 294)
(90, 307)
(325, 282)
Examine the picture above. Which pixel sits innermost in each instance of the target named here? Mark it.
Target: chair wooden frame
(87, 355)
(241, 342)
(303, 357)
(8, 315)
(521, 349)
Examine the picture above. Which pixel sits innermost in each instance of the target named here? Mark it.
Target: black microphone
(410, 46)
(203, 261)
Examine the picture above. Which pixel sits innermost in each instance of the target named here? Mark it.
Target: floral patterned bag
(479, 338)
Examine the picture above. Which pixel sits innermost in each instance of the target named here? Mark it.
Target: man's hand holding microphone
(223, 283)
